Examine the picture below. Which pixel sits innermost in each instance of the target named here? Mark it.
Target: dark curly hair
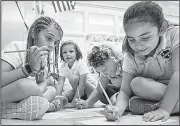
(100, 54)
(76, 47)
(146, 11)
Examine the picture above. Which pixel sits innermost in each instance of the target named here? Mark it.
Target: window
(70, 21)
(120, 25)
(101, 23)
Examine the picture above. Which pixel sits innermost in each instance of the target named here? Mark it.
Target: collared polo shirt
(158, 66)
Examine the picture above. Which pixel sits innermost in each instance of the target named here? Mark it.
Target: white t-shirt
(17, 59)
(79, 67)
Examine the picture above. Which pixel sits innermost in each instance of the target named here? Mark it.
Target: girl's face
(142, 37)
(69, 53)
(109, 68)
(48, 37)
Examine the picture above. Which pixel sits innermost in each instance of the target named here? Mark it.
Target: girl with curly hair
(108, 63)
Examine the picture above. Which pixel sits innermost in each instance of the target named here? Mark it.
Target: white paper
(71, 115)
(124, 120)
(86, 110)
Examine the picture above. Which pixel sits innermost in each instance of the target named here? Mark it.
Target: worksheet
(124, 120)
(71, 115)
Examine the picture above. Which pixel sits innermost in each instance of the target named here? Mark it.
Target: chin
(144, 53)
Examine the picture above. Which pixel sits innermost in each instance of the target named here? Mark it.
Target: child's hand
(55, 76)
(82, 104)
(38, 56)
(59, 102)
(74, 101)
(112, 113)
(159, 114)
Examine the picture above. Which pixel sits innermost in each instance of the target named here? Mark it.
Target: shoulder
(15, 45)
(172, 37)
(18, 43)
(172, 31)
(128, 56)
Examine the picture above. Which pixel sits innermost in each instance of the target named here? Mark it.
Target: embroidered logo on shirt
(166, 53)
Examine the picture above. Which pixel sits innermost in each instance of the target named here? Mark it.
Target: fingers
(165, 118)
(154, 116)
(38, 56)
(81, 104)
(109, 109)
(109, 115)
(39, 51)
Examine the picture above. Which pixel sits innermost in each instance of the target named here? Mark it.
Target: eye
(64, 52)
(71, 51)
(49, 38)
(145, 38)
(131, 40)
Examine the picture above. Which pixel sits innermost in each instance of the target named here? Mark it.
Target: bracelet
(22, 68)
(29, 70)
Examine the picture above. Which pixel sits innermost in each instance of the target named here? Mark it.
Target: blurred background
(87, 23)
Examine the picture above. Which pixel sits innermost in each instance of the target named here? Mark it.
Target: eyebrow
(139, 35)
(50, 34)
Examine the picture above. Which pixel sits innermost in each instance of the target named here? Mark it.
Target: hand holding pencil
(37, 56)
(111, 113)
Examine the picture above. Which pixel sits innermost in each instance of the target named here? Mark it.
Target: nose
(139, 45)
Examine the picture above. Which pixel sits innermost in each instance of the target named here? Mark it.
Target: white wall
(88, 16)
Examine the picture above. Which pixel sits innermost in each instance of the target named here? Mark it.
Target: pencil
(17, 51)
(106, 96)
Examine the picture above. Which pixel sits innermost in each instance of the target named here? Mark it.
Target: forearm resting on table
(11, 76)
(171, 95)
(94, 97)
(122, 101)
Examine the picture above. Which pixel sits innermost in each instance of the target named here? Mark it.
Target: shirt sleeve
(15, 59)
(175, 38)
(83, 68)
(129, 65)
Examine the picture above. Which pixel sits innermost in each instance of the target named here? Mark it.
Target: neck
(70, 64)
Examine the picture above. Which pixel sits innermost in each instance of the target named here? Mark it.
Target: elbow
(125, 92)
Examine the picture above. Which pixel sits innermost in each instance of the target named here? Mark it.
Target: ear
(163, 28)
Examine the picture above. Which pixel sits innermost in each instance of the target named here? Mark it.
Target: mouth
(142, 50)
